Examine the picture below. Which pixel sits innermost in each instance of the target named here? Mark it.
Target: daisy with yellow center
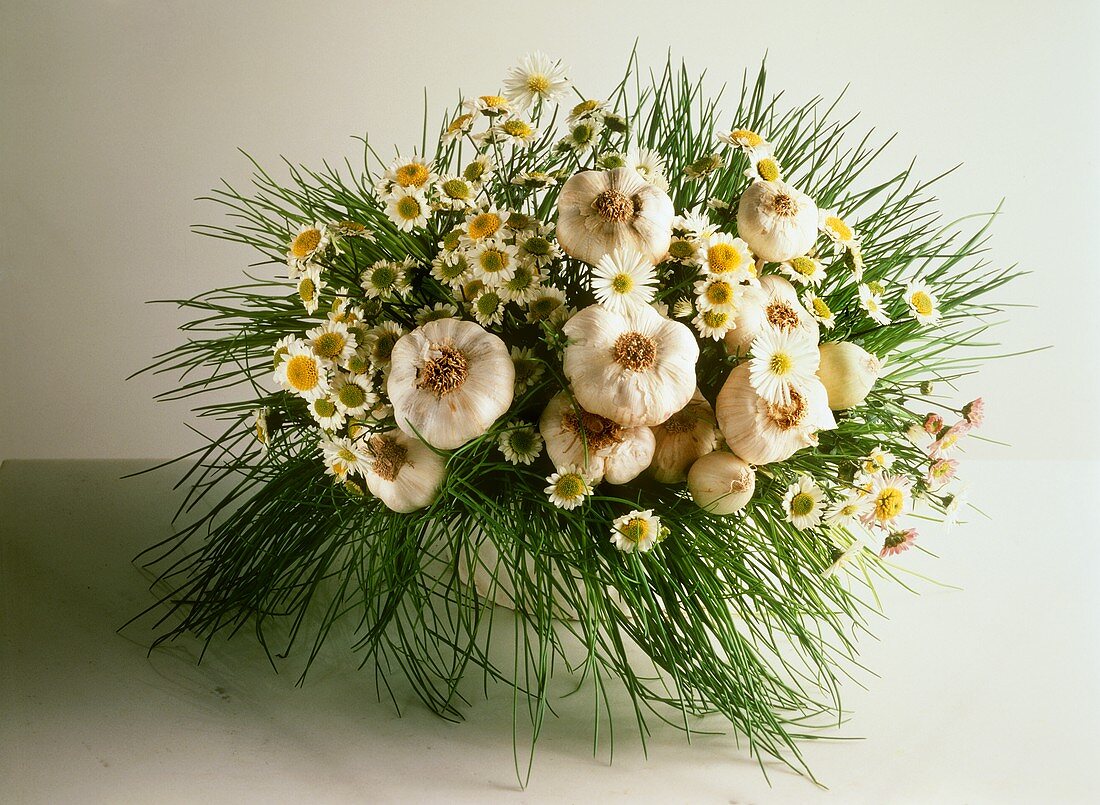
(848, 510)
(802, 503)
(889, 497)
(568, 488)
(529, 369)
(493, 261)
(623, 279)
(637, 531)
(344, 457)
(458, 127)
(408, 208)
(717, 293)
(353, 394)
(309, 288)
(782, 361)
(877, 461)
(683, 250)
(536, 79)
(488, 105)
(487, 307)
(697, 225)
(585, 109)
(332, 341)
(742, 138)
(512, 131)
(351, 229)
(302, 372)
(819, 309)
(763, 166)
(922, 303)
(455, 193)
(704, 166)
(727, 256)
(308, 244)
(482, 225)
(838, 230)
(326, 413)
(803, 270)
(713, 323)
(384, 279)
(520, 444)
(415, 173)
(649, 165)
(583, 135)
(871, 303)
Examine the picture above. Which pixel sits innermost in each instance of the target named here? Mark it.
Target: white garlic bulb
(681, 439)
(449, 381)
(721, 483)
(600, 211)
(777, 221)
(635, 368)
(775, 304)
(761, 432)
(402, 471)
(848, 372)
(604, 449)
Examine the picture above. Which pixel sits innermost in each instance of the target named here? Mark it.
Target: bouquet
(674, 386)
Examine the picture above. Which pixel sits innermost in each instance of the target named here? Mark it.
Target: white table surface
(985, 694)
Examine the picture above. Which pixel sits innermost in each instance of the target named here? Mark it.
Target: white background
(116, 115)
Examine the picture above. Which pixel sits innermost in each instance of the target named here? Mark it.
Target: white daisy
(514, 131)
(458, 127)
(384, 279)
(742, 138)
(586, 109)
(520, 445)
(623, 279)
(479, 170)
(413, 174)
(408, 208)
(802, 503)
(302, 372)
(830, 222)
(538, 248)
(568, 488)
(646, 162)
(853, 258)
(353, 393)
(843, 558)
(545, 304)
(877, 461)
(440, 310)
(804, 270)
(379, 343)
(922, 303)
(487, 307)
(871, 303)
(637, 531)
(583, 135)
(715, 292)
(309, 243)
(529, 369)
(729, 256)
(488, 105)
(332, 341)
(536, 78)
(889, 496)
(849, 509)
(482, 225)
(310, 286)
(344, 457)
(351, 229)
(763, 166)
(326, 413)
(696, 224)
(493, 261)
(524, 284)
(782, 360)
(819, 309)
(452, 269)
(713, 323)
(682, 308)
(456, 193)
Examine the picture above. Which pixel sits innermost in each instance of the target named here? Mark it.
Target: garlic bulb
(635, 368)
(685, 436)
(600, 211)
(604, 449)
(761, 432)
(777, 221)
(848, 372)
(449, 381)
(774, 304)
(721, 483)
(402, 471)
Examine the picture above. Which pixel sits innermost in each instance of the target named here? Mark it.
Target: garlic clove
(848, 373)
(683, 438)
(403, 472)
(721, 483)
(777, 220)
(604, 449)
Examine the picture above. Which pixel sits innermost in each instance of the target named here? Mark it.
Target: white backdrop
(115, 115)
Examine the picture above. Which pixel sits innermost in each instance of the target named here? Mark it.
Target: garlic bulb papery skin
(777, 221)
(761, 432)
(600, 211)
(774, 303)
(721, 483)
(635, 368)
(848, 372)
(604, 449)
(403, 472)
(682, 439)
(449, 381)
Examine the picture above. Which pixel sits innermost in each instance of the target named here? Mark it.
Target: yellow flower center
(715, 319)
(768, 169)
(413, 174)
(838, 227)
(821, 309)
(306, 289)
(723, 257)
(346, 454)
(802, 504)
(474, 171)
(804, 266)
(516, 128)
(921, 302)
(408, 208)
(719, 293)
(456, 188)
(306, 242)
(622, 283)
(324, 407)
(779, 364)
(584, 107)
(635, 529)
(459, 124)
(570, 486)
(888, 504)
(494, 101)
(484, 225)
(352, 395)
(538, 83)
(302, 374)
(746, 138)
(329, 345)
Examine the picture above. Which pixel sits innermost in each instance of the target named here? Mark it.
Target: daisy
(713, 323)
(742, 138)
(379, 343)
(782, 359)
(848, 509)
(344, 457)
(479, 170)
(974, 412)
(948, 440)
(647, 162)
(302, 372)
(922, 303)
(261, 426)
(940, 472)
(763, 166)
(538, 249)
(889, 495)
(623, 279)
(611, 160)
(804, 270)
(616, 122)
(802, 503)
(325, 412)
(704, 166)
(819, 309)
(726, 255)
(637, 531)
(384, 279)
(529, 369)
(281, 350)
(583, 135)
(310, 286)
(351, 229)
(953, 509)
(568, 489)
(413, 174)
(682, 308)
(585, 109)
(451, 269)
(897, 542)
(440, 310)
(487, 307)
(697, 225)
(456, 193)
(683, 250)
(520, 445)
(853, 258)
(524, 284)
(310, 242)
(877, 461)
(871, 303)
(717, 293)
(458, 127)
(482, 225)
(332, 341)
(536, 78)
(829, 222)
(353, 394)
(548, 300)
(842, 559)
(408, 209)
(512, 131)
(933, 423)
(488, 105)
(493, 262)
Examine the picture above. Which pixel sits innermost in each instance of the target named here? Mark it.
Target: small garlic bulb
(721, 483)
(683, 438)
(774, 304)
(601, 211)
(635, 368)
(761, 432)
(449, 381)
(402, 471)
(604, 449)
(848, 373)
(777, 221)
